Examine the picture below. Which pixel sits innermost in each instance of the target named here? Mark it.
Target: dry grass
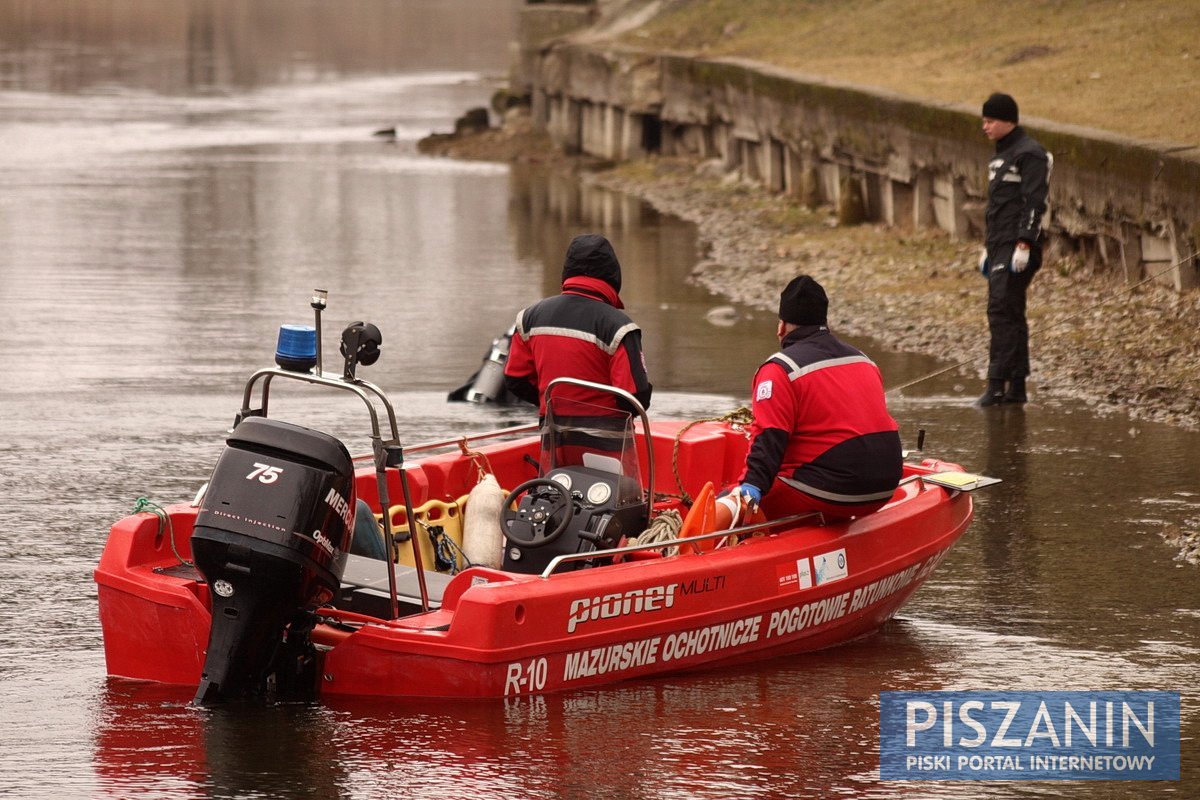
(1130, 67)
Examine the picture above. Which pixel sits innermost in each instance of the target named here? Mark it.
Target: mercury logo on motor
(339, 504)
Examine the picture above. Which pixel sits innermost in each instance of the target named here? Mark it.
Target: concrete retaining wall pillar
(1120, 204)
(633, 135)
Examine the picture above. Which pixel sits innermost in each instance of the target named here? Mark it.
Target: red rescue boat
(580, 579)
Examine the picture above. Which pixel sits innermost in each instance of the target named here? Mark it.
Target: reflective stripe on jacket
(1018, 183)
(578, 334)
(821, 422)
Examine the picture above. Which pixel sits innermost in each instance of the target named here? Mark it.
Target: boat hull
(497, 634)
(761, 599)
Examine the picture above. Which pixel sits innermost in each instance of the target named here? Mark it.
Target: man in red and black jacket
(581, 333)
(822, 438)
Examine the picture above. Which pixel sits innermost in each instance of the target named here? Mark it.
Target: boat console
(571, 510)
(589, 496)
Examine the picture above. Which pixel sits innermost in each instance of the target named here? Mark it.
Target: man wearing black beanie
(1018, 182)
(822, 438)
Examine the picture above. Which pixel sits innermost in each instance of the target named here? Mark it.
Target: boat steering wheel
(540, 517)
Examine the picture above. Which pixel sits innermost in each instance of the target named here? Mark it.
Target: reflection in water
(280, 751)
(137, 714)
(1002, 543)
(774, 730)
(152, 742)
(219, 45)
(797, 727)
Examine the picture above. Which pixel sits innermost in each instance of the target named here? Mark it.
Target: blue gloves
(750, 492)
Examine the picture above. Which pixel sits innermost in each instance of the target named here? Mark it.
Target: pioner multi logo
(634, 601)
(1029, 735)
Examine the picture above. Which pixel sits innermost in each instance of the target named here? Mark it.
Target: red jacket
(581, 333)
(821, 422)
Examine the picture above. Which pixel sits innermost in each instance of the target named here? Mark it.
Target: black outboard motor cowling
(271, 539)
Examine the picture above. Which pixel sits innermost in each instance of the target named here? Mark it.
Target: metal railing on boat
(385, 452)
(457, 441)
(664, 543)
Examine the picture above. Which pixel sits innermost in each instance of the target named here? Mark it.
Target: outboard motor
(271, 539)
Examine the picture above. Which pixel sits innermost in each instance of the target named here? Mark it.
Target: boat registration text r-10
(651, 653)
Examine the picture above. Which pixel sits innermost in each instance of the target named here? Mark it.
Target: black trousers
(1008, 355)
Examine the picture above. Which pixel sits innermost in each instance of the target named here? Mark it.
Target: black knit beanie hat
(803, 302)
(1002, 107)
(591, 255)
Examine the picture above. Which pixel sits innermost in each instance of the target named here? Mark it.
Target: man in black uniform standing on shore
(1018, 182)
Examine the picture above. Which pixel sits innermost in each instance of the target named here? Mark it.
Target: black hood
(592, 256)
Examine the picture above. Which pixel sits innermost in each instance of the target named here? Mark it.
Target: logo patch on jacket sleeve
(764, 391)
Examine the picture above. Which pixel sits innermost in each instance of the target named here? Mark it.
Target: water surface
(176, 178)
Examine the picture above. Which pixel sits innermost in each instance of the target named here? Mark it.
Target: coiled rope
(662, 528)
(164, 519)
(741, 417)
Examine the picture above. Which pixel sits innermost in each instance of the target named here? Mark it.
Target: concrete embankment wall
(1117, 204)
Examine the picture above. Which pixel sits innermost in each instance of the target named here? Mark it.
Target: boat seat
(364, 587)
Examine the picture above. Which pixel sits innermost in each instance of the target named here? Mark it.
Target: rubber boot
(994, 395)
(1016, 391)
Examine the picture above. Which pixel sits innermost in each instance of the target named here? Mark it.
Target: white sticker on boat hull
(804, 572)
(830, 566)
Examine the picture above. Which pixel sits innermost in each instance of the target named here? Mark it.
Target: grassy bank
(1130, 67)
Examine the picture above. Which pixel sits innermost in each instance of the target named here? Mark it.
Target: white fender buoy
(483, 541)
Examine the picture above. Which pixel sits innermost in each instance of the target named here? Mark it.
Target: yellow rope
(741, 416)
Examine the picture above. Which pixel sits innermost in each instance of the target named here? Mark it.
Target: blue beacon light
(297, 348)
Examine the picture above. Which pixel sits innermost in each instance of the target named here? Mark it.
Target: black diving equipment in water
(487, 384)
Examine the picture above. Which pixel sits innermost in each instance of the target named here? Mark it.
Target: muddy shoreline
(1119, 349)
